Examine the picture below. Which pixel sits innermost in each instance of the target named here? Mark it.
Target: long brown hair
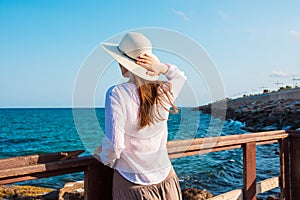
(151, 94)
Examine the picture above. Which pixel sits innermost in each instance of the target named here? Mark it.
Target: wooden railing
(98, 178)
(248, 143)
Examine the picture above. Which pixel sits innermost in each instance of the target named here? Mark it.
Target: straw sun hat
(130, 48)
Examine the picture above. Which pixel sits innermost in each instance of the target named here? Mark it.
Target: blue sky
(254, 44)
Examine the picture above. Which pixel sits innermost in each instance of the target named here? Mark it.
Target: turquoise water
(38, 131)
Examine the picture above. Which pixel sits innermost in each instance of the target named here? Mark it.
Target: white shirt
(140, 156)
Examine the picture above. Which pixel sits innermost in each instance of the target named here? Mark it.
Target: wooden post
(249, 161)
(295, 164)
(98, 182)
(284, 180)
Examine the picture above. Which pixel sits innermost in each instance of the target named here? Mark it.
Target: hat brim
(127, 62)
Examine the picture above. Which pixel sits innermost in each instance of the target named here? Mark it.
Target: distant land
(262, 112)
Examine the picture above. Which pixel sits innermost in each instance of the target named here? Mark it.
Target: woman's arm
(113, 142)
(155, 67)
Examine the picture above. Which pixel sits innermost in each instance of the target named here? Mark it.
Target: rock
(196, 194)
(72, 191)
(23, 192)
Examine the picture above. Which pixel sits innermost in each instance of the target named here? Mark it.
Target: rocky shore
(74, 191)
(23, 192)
(70, 191)
(265, 112)
(195, 194)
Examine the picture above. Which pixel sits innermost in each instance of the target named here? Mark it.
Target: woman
(136, 114)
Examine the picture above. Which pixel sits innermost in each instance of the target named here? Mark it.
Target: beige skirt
(168, 189)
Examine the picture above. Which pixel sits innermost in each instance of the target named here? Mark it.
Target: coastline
(264, 112)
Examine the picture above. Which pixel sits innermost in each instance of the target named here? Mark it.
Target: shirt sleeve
(113, 142)
(176, 78)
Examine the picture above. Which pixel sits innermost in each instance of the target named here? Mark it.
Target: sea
(28, 131)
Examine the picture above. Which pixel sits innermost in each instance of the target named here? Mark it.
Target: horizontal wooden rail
(51, 166)
(231, 195)
(252, 136)
(44, 170)
(261, 187)
(8, 163)
(181, 148)
(267, 185)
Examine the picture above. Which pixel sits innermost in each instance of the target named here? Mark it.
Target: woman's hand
(152, 64)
